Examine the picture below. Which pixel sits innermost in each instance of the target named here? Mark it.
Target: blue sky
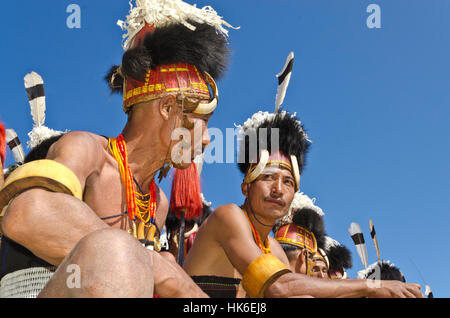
(375, 102)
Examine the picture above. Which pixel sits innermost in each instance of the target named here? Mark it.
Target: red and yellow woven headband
(181, 79)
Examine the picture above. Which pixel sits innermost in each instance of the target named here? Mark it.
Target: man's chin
(181, 165)
(278, 212)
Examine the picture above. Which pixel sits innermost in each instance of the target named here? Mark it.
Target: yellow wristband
(261, 273)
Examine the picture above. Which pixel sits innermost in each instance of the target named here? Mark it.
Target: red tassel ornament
(186, 193)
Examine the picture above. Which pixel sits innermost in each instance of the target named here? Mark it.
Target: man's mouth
(280, 202)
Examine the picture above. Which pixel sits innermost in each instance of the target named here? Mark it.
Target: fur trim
(310, 220)
(339, 256)
(203, 47)
(301, 200)
(40, 134)
(386, 270)
(40, 151)
(293, 140)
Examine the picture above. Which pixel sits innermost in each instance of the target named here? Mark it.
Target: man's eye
(289, 182)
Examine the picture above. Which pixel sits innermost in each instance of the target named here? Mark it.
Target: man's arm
(241, 249)
(289, 285)
(50, 224)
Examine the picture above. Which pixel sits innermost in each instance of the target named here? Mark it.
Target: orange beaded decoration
(139, 205)
(264, 248)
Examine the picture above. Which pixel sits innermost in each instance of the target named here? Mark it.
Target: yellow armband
(48, 174)
(261, 273)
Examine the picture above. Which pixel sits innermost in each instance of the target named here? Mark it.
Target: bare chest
(106, 195)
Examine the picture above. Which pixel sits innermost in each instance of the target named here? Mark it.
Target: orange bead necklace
(141, 206)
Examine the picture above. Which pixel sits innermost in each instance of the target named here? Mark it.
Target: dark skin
(230, 252)
(52, 224)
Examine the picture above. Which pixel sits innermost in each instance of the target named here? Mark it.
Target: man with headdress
(173, 51)
(233, 245)
(382, 270)
(302, 236)
(339, 257)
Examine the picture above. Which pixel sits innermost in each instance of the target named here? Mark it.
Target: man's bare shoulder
(80, 141)
(226, 214)
(82, 152)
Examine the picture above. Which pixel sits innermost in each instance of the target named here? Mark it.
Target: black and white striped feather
(14, 144)
(358, 239)
(34, 86)
(283, 81)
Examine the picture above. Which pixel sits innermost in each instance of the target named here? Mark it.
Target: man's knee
(110, 245)
(110, 263)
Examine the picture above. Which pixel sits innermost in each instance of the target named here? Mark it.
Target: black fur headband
(292, 140)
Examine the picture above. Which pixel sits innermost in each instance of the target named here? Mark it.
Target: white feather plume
(301, 201)
(360, 248)
(18, 153)
(282, 87)
(330, 242)
(162, 13)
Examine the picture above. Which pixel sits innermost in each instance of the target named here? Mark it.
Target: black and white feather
(283, 81)
(14, 144)
(34, 86)
(428, 292)
(358, 239)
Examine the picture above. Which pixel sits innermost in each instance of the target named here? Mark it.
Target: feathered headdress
(382, 271)
(339, 256)
(306, 229)
(269, 134)
(171, 47)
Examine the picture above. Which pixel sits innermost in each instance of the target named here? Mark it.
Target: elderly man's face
(271, 194)
(190, 140)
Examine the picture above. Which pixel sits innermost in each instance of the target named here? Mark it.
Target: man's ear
(244, 189)
(166, 104)
(300, 261)
(301, 256)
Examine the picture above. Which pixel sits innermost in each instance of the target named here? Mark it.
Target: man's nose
(277, 186)
(206, 139)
